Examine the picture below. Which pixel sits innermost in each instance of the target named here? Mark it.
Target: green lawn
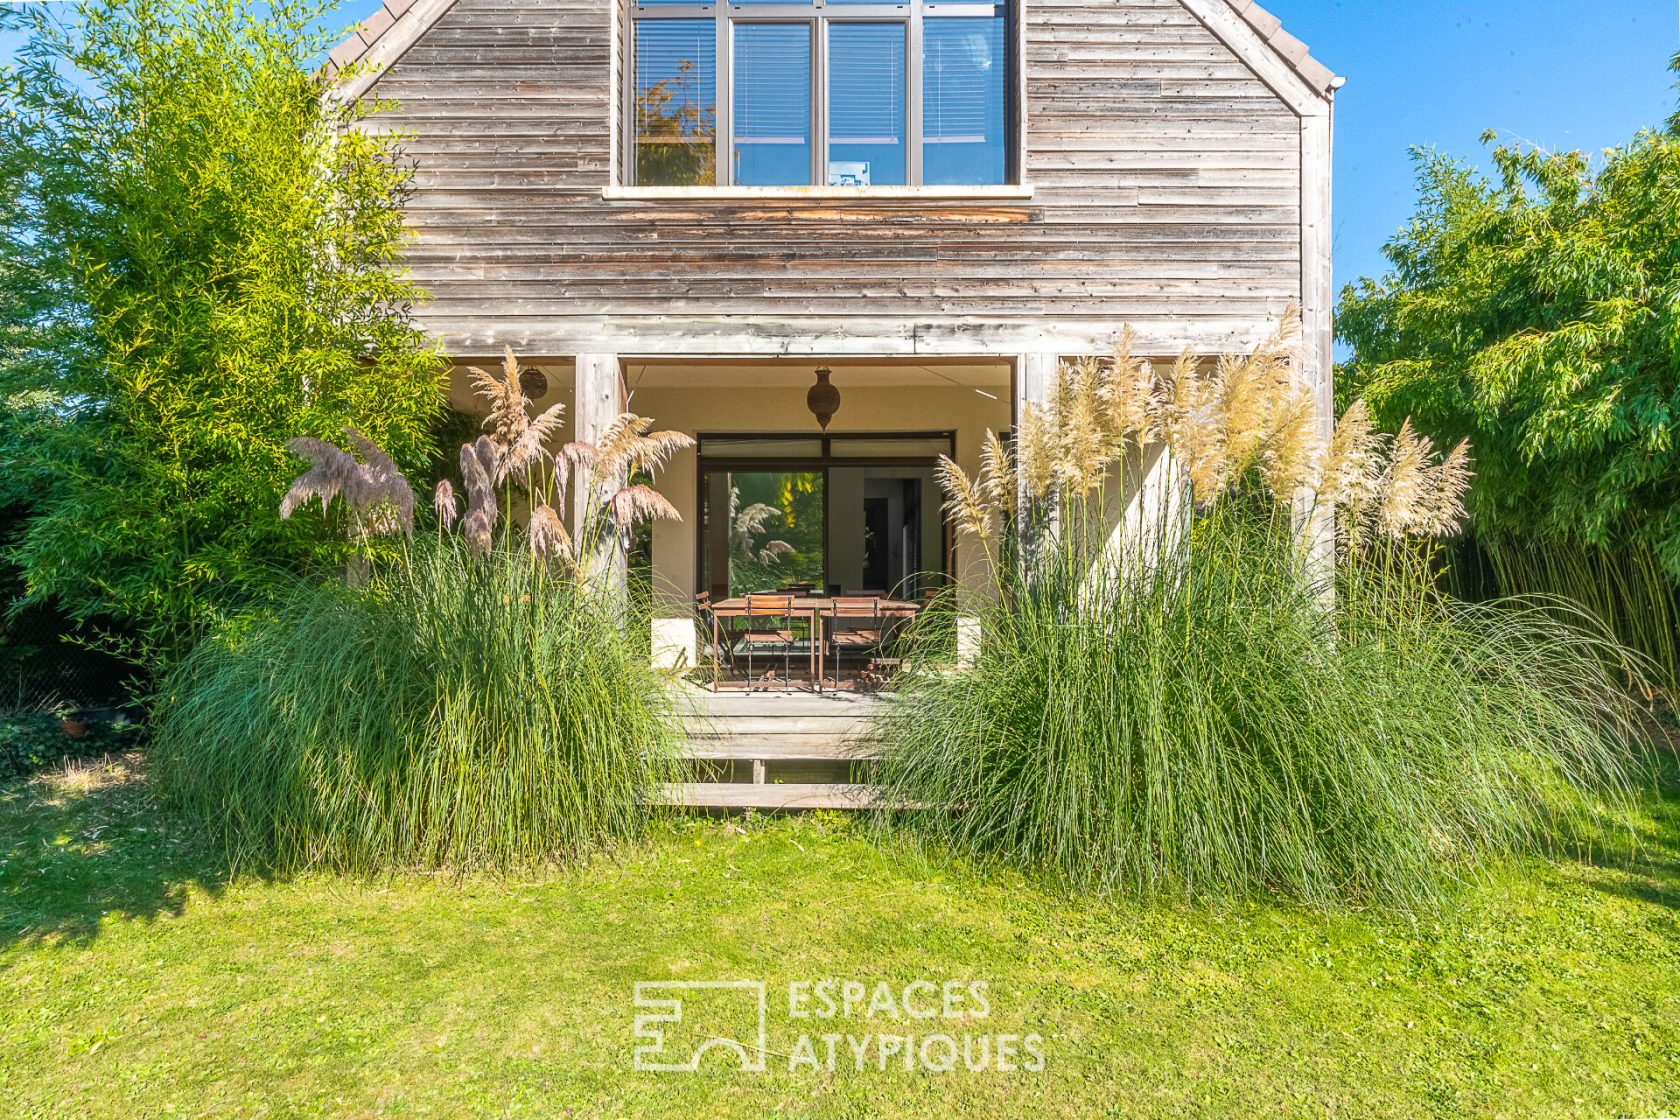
(136, 980)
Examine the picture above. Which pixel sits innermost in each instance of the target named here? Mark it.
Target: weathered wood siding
(1167, 179)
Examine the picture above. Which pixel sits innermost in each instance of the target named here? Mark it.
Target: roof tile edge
(1317, 75)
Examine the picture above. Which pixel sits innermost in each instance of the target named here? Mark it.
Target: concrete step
(740, 795)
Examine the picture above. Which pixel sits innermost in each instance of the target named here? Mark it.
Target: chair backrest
(703, 604)
(760, 606)
(855, 607)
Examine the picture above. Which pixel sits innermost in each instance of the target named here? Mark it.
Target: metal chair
(854, 624)
(757, 636)
(713, 638)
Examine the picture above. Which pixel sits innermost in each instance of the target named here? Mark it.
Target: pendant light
(824, 399)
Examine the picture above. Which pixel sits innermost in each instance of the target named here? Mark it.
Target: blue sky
(1563, 74)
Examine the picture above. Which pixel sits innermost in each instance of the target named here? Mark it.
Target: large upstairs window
(838, 93)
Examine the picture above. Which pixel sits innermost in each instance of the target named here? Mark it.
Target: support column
(1035, 386)
(1154, 511)
(676, 574)
(599, 400)
(1318, 364)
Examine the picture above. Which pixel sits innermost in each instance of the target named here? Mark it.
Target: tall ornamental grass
(463, 698)
(1196, 703)
(454, 710)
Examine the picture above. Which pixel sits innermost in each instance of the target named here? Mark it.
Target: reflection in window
(772, 104)
(676, 102)
(963, 101)
(866, 104)
(763, 531)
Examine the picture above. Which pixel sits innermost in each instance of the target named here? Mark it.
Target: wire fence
(44, 663)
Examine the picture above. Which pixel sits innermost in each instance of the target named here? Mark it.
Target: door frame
(820, 464)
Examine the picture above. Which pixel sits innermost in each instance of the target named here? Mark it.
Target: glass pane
(676, 102)
(884, 530)
(866, 104)
(761, 448)
(772, 104)
(963, 74)
(890, 448)
(769, 526)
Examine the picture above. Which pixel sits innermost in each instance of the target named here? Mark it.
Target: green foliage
(31, 741)
(1180, 692)
(1538, 314)
(452, 711)
(200, 264)
(1203, 727)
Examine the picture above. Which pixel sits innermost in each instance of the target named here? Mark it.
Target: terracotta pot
(73, 726)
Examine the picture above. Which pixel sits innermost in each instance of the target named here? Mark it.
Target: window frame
(819, 16)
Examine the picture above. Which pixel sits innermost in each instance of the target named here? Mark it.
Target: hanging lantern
(533, 383)
(824, 399)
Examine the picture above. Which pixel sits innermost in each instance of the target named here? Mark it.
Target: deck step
(779, 748)
(728, 704)
(732, 726)
(740, 795)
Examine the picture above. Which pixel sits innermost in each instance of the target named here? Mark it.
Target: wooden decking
(775, 750)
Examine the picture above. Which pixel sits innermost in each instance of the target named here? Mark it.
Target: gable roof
(1319, 78)
(386, 35)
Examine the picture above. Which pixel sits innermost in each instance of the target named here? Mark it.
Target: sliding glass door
(764, 531)
(837, 514)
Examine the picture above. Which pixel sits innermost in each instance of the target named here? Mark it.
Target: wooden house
(698, 211)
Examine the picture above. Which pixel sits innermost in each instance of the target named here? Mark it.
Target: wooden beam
(768, 336)
(1258, 53)
(598, 401)
(1035, 386)
(726, 795)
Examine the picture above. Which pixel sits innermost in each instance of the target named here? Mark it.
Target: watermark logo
(823, 1026)
(664, 1003)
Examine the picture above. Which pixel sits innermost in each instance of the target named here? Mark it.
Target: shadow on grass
(1645, 866)
(88, 841)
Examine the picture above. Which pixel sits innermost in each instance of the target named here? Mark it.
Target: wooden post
(1035, 385)
(598, 402)
(1317, 525)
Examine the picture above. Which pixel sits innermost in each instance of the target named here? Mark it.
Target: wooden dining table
(811, 606)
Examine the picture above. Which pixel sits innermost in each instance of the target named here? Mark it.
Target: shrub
(455, 710)
(1180, 711)
(461, 699)
(202, 260)
(1535, 312)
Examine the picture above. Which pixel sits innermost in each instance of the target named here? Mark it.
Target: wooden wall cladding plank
(1166, 176)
